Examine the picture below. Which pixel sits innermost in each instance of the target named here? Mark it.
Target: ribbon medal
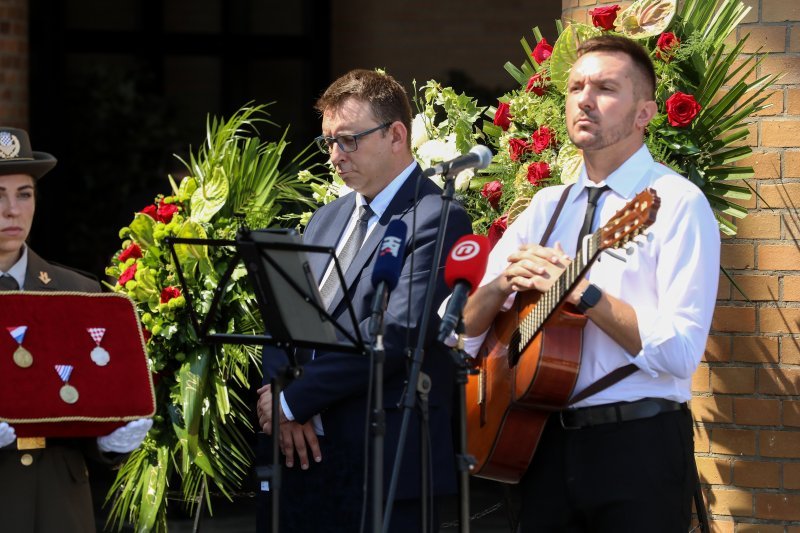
(68, 393)
(22, 357)
(99, 355)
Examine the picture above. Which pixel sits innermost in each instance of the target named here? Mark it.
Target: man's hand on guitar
(533, 267)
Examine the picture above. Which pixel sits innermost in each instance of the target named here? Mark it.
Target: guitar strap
(615, 375)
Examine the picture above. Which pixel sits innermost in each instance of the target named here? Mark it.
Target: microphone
(478, 157)
(463, 271)
(386, 272)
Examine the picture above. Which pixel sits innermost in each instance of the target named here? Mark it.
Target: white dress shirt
(671, 282)
(379, 204)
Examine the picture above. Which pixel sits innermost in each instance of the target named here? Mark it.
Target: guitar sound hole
(513, 349)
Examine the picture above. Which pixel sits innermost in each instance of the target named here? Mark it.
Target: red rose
(542, 51)
(681, 109)
(517, 147)
(497, 229)
(168, 293)
(166, 212)
(492, 191)
(537, 84)
(150, 211)
(502, 117)
(537, 173)
(666, 45)
(604, 17)
(131, 251)
(128, 275)
(542, 138)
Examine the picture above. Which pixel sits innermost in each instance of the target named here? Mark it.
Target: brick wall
(747, 389)
(14, 63)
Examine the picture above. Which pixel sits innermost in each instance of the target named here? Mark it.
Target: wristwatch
(591, 295)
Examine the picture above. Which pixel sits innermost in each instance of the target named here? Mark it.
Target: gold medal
(23, 357)
(69, 393)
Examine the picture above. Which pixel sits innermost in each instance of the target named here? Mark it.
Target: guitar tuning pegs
(629, 250)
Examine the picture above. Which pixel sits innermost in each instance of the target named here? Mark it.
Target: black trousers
(621, 477)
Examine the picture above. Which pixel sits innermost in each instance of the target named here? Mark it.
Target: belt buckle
(563, 425)
(31, 443)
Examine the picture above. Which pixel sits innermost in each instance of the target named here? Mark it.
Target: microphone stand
(413, 384)
(377, 420)
(466, 462)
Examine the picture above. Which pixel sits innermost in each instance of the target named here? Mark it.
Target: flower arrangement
(703, 98)
(201, 420)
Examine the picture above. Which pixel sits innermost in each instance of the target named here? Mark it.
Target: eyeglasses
(346, 143)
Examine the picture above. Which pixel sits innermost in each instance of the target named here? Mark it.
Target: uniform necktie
(346, 254)
(8, 283)
(594, 195)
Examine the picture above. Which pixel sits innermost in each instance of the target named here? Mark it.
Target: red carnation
(502, 117)
(537, 84)
(132, 250)
(517, 147)
(538, 172)
(151, 211)
(681, 109)
(542, 51)
(492, 191)
(604, 17)
(542, 138)
(497, 229)
(666, 45)
(166, 212)
(128, 275)
(168, 293)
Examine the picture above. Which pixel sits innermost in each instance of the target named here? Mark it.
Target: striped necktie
(346, 254)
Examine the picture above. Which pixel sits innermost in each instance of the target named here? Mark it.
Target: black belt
(617, 412)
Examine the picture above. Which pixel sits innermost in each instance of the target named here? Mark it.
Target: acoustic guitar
(529, 361)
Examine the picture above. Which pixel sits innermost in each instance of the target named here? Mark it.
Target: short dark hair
(386, 96)
(639, 56)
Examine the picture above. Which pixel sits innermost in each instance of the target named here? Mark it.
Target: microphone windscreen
(467, 261)
(484, 155)
(389, 262)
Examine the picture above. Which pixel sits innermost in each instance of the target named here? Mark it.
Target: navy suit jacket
(335, 384)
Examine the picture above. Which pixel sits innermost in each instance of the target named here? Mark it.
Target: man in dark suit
(366, 124)
(44, 485)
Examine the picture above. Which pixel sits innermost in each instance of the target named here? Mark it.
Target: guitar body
(511, 397)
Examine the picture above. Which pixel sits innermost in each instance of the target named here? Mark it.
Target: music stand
(288, 298)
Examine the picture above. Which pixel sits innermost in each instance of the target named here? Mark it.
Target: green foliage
(200, 427)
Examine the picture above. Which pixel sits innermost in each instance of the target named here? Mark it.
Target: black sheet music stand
(284, 287)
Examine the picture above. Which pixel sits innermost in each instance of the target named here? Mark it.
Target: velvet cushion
(57, 334)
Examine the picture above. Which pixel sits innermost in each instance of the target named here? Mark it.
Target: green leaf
(210, 196)
(189, 255)
(142, 230)
(565, 52)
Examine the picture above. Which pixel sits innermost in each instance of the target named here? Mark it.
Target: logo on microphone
(465, 250)
(390, 245)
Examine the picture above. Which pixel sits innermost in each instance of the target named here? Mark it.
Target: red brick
(714, 471)
(780, 133)
(765, 39)
(779, 443)
(712, 409)
(720, 526)
(790, 351)
(766, 165)
(794, 40)
(782, 381)
(756, 412)
(790, 226)
(791, 288)
(733, 441)
(756, 288)
(791, 168)
(779, 320)
(778, 506)
(701, 380)
(773, 103)
(778, 257)
(793, 95)
(737, 256)
(718, 348)
(779, 11)
(724, 288)
(702, 439)
(752, 14)
(791, 413)
(737, 319)
(780, 196)
(791, 476)
(731, 502)
(758, 528)
(759, 226)
(788, 67)
(733, 380)
(755, 349)
(756, 474)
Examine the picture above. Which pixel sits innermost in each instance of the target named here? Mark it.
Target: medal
(22, 357)
(99, 355)
(68, 393)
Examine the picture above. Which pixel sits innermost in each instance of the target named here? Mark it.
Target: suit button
(26, 459)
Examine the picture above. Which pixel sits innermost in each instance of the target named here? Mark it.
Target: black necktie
(8, 283)
(346, 254)
(594, 195)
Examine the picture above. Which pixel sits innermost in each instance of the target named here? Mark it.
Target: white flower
(437, 150)
(419, 133)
